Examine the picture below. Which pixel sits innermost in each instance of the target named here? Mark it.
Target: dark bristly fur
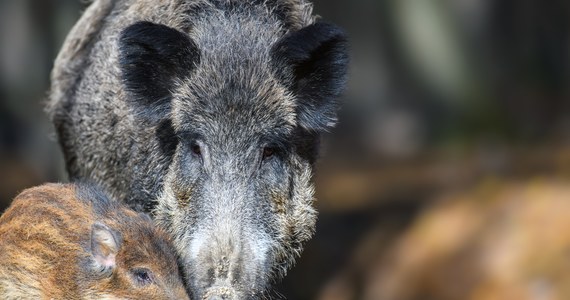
(206, 113)
(71, 242)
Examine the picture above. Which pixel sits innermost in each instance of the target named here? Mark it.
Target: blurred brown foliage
(501, 240)
(483, 234)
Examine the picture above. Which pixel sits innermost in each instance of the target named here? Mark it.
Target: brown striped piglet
(69, 241)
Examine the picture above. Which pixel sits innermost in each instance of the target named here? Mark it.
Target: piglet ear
(315, 60)
(105, 244)
(151, 56)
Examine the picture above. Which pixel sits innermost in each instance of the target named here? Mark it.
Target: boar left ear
(105, 244)
(151, 56)
(317, 58)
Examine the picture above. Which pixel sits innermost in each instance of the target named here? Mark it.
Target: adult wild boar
(206, 113)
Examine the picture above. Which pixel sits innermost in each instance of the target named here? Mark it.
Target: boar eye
(195, 148)
(268, 152)
(142, 276)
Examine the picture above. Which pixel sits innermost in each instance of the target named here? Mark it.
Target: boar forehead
(235, 111)
(233, 88)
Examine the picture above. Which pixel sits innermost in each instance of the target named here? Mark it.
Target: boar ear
(151, 56)
(317, 58)
(105, 244)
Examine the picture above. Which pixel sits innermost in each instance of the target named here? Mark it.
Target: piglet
(69, 241)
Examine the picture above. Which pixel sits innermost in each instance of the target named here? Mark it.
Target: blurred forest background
(448, 176)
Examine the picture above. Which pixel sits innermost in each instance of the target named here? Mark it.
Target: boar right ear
(315, 60)
(105, 244)
(151, 56)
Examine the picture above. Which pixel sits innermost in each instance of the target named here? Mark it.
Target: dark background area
(446, 97)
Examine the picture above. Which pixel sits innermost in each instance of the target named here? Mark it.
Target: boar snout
(221, 293)
(229, 263)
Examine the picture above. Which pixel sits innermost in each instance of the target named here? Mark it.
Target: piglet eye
(268, 152)
(195, 148)
(143, 276)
